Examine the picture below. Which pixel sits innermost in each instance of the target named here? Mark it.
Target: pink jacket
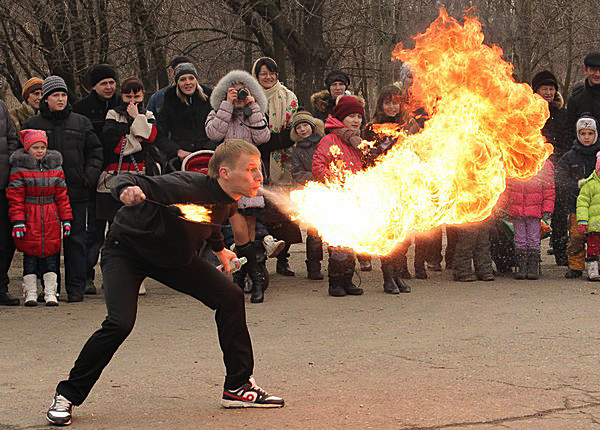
(347, 157)
(530, 198)
(228, 123)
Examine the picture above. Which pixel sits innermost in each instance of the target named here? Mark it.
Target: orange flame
(195, 213)
(483, 128)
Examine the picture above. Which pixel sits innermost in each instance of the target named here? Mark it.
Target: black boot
(6, 299)
(239, 278)
(349, 287)
(256, 275)
(389, 285)
(314, 255)
(314, 270)
(533, 263)
(399, 269)
(522, 260)
(335, 285)
(283, 266)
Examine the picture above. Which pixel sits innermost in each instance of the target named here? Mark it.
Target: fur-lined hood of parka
(20, 158)
(219, 93)
(321, 100)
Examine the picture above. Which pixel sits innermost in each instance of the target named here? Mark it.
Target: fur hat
(592, 59)
(31, 136)
(100, 72)
(53, 84)
(30, 86)
(219, 93)
(347, 105)
(305, 116)
(185, 69)
(544, 78)
(587, 121)
(337, 76)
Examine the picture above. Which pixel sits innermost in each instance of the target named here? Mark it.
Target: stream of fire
(483, 128)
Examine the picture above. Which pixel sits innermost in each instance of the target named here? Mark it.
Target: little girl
(588, 219)
(38, 203)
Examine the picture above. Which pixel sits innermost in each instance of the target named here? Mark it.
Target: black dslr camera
(242, 93)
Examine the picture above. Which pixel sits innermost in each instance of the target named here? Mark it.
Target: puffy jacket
(37, 196)
(347, 158)
(73, 136)
(588, 203)
(95, 109)
(230, 123)
(579, 163)
(585, 100)
(8, 144)
(531, 198)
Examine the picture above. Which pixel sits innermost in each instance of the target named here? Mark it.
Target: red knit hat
(29, 137)
(348, 105)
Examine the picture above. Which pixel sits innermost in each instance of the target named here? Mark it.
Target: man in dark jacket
(8, 145)
(73, 136)
(588, 98)
(323, 102)
(95, 106)
(148, 240)
(157, 99)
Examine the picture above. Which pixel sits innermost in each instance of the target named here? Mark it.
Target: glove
(582, 228)
(66, 228)
(546, 217)
(19, 230)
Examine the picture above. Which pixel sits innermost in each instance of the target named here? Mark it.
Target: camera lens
(242, 93)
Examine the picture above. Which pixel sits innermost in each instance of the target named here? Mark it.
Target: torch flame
(195, 213)
(483, 128)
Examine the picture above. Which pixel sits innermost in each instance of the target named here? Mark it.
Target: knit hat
(31, 136)
(30, 86)
(544, 78)
(337, 76)
(100, 72)
(348, 105)
(185, 69)
(587, 121)
(592, 59)
(178, 60)
(53, 84)
(303, 116)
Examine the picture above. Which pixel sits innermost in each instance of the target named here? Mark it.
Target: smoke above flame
(483, 128)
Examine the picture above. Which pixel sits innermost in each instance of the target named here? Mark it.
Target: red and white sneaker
(250, 395)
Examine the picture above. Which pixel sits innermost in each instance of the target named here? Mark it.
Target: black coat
(578, 163)
(555, 129)
(8, 144)
(184, 124)
(73, 136)
(95, 108)
(585, 100)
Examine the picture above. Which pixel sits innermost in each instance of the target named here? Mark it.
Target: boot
(257, 277)
(399, 278)
(592, 269)
(335, 286)
(239, 278)
(420, 271)
(521, 260)
(50, 289)
(30, 289)
(389, 286)
(533, 263)
(6, 299)
(348, 286)
(273, 247)
(314, 270)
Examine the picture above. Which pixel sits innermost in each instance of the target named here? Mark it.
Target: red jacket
(344, 156)
(37, 196)
(530, 198)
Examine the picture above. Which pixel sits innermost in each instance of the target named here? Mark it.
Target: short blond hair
(227, 154)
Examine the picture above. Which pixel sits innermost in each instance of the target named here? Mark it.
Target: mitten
(582, 228)
(19, 230)
(66, 228)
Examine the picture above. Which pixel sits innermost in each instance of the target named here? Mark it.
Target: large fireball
(483, 127)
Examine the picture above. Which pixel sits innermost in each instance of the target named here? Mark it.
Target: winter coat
(95, 108)
(555, 128)
(303, 153)
(37, 196)
(347, 158)
(8, 144)
(530, 198)
(182, 119)
(21, 114)
(585, 100)
(322, 104)
(578, 163)
(137, 140)
(73, 136)
(588, 203)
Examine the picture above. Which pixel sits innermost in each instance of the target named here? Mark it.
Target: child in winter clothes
(344, 135)
(527, 202)
(588, 219)
(38, 203)
(578, 163)
(239, 104)
(306, 133)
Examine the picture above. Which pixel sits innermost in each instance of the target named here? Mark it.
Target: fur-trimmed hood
(219, 93)
(318, 130)
(322, 100)
(20, 158)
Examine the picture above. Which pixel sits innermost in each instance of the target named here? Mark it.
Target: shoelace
(259, 390)
(61, 403)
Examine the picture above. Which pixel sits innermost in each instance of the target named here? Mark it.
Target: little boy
(38, 202)
(578, 163)
(306, 132)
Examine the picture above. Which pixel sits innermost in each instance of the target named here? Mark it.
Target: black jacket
(8, 144)
(157, 235)
(585, 100)
(95, 108)
(578, 163)
(73, 136)
(184, 124)
(555, 129)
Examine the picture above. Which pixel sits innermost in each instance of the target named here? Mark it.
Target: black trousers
(7, 245)
(123, 271)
